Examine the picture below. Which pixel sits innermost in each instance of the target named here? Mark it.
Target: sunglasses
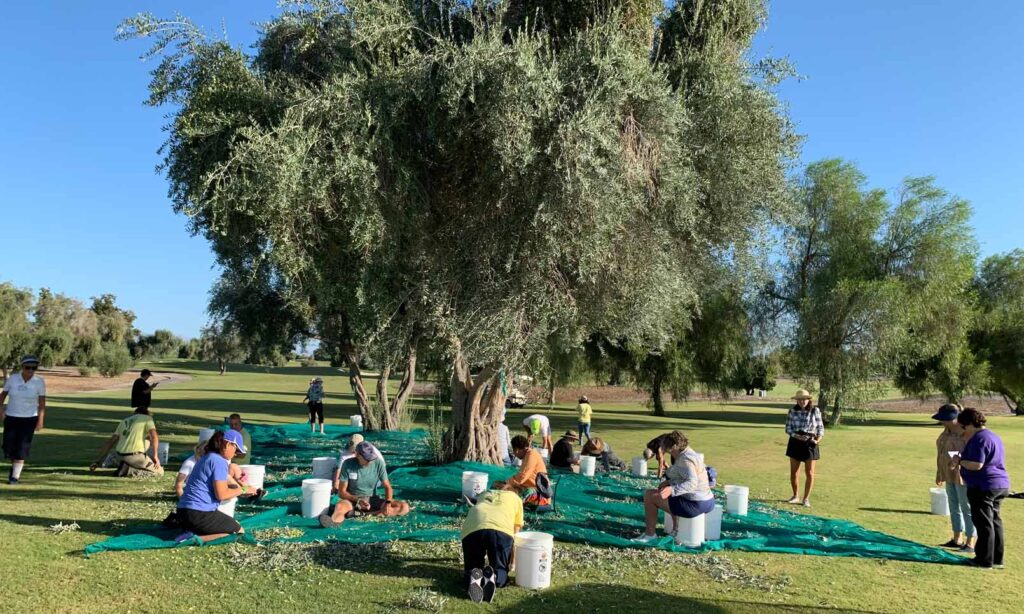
(30, 367)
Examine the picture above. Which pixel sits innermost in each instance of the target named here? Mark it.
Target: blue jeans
(584, 429)
(960, 510)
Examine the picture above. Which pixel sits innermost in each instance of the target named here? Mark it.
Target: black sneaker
(975, 563)
(967, 549)
(13, 481)
(489, 584)
(327, 522)
(951, 544)
(476, 589)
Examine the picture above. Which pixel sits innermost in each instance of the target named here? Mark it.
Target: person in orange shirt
(533, 465)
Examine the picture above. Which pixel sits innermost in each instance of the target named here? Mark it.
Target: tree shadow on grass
(109, 528)
(887, 510)
(445, 572)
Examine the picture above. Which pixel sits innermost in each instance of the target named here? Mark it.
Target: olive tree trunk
(393, 411)
(477, 404)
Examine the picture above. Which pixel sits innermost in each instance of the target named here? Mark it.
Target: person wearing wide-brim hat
(805, 428)
(562, 454)
(949, 444)
(24, 414)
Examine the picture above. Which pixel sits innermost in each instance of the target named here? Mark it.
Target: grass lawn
(876, 474)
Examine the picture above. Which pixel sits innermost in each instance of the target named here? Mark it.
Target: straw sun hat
(802, 394)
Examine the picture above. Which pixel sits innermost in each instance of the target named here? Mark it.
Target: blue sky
(901, 88)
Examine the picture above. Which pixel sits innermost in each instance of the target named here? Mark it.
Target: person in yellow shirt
(584, 411)
(129, 441)
(489, 531)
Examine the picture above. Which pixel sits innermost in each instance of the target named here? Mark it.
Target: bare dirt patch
(64, 380)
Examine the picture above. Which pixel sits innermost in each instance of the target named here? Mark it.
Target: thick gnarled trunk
(477, 405)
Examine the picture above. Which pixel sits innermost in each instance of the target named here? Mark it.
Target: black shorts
(802, 450)
(18, 434)
(316, 412)
(207, 523)
(376, 506)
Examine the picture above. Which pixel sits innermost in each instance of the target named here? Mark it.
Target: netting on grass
(604, 510)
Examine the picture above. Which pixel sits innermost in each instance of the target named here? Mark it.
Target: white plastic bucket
(356, 420)
(736, 498)
(587, 465)
(713, 524)
(474, 483)
(576, 457)
(534, 556)
(204, 435)
(940, 504)
(163, 451)
(639, 467)
(228, 507)
(324, 466)
(543, 453)
(316, 497)
(253, 475)
(690, 532)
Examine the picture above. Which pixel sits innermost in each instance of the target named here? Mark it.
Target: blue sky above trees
(905, 88)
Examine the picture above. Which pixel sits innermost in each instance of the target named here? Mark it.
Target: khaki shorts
(137, 465)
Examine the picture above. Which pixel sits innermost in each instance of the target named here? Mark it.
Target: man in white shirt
(25, 394)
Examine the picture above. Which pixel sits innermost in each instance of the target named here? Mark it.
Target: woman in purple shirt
(984, 471)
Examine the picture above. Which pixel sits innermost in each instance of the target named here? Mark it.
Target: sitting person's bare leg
(340, 510)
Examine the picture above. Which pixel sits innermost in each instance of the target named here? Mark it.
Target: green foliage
(113, 359)
(15, 305)
(192, 349)
(113, 323)
(160, 344)
(999, 335)
(86, 370)
(218, 342)
(870, 284)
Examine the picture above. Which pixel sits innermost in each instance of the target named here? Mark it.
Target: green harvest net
(602, 510)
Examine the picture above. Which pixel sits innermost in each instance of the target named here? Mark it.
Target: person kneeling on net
(685, 493)
(489, 531)
(207, 486)
(357, 489)
(129, 442)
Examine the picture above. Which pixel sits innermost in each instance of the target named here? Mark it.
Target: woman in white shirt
(25, 394)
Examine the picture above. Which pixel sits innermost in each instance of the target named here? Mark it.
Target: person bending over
(525, 480)
(539, 427)
(357, 489)
(563, 455)
(129, 442)
(488, 533)
(603, 451)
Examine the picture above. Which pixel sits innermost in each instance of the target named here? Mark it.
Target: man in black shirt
(561, 453)
(142, 391)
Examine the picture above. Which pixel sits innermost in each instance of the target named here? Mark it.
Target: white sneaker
(643, 539)
(807, 503)
(794, 501)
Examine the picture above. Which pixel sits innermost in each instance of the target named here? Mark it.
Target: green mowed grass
(876, 474)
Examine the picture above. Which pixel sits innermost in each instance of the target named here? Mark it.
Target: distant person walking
(949, 445)
(983, 467)
(315, 401)
(142, 390)
(584, 411)
(805, 428)
(23, 415)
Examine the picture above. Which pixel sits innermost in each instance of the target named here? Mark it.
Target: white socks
(16, 468)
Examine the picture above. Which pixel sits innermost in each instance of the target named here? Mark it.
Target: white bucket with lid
(474, 484)
(534, 556)
(639, 467)
(228, 507)
(324, 466)
(736, 498)
(163, 452)
(940, 504)
(253, 475)
(356, 420)
(713, 524)
(543, 453)
(316, 497)
(587, 465)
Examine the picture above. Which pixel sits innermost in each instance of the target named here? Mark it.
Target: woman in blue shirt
(208, 484)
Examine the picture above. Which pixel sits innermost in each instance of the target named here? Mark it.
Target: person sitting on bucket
(657, 448)
(599, 448)
(685, 493)
(129, 441)
(489, 531)
(539, 427)
(206, 487)
(357, 489)
(562, 455)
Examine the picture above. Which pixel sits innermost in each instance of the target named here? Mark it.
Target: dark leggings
(316, 412)
(987, 521)
(495, 545)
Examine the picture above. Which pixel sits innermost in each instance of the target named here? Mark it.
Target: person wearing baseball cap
(949, 445)
(357, 489)
(142, 390)
(350, 452)
(207, 486)
(805, 428)
(562, 455)
(25, 394)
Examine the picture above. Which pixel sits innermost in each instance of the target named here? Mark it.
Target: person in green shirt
(584, 411)
(129, 442)
(357, 489)
(235, 421)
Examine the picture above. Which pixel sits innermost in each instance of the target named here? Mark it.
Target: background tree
(998, 337)
(161, 344)
(15, 339)
(220, 344)
(862, 278)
